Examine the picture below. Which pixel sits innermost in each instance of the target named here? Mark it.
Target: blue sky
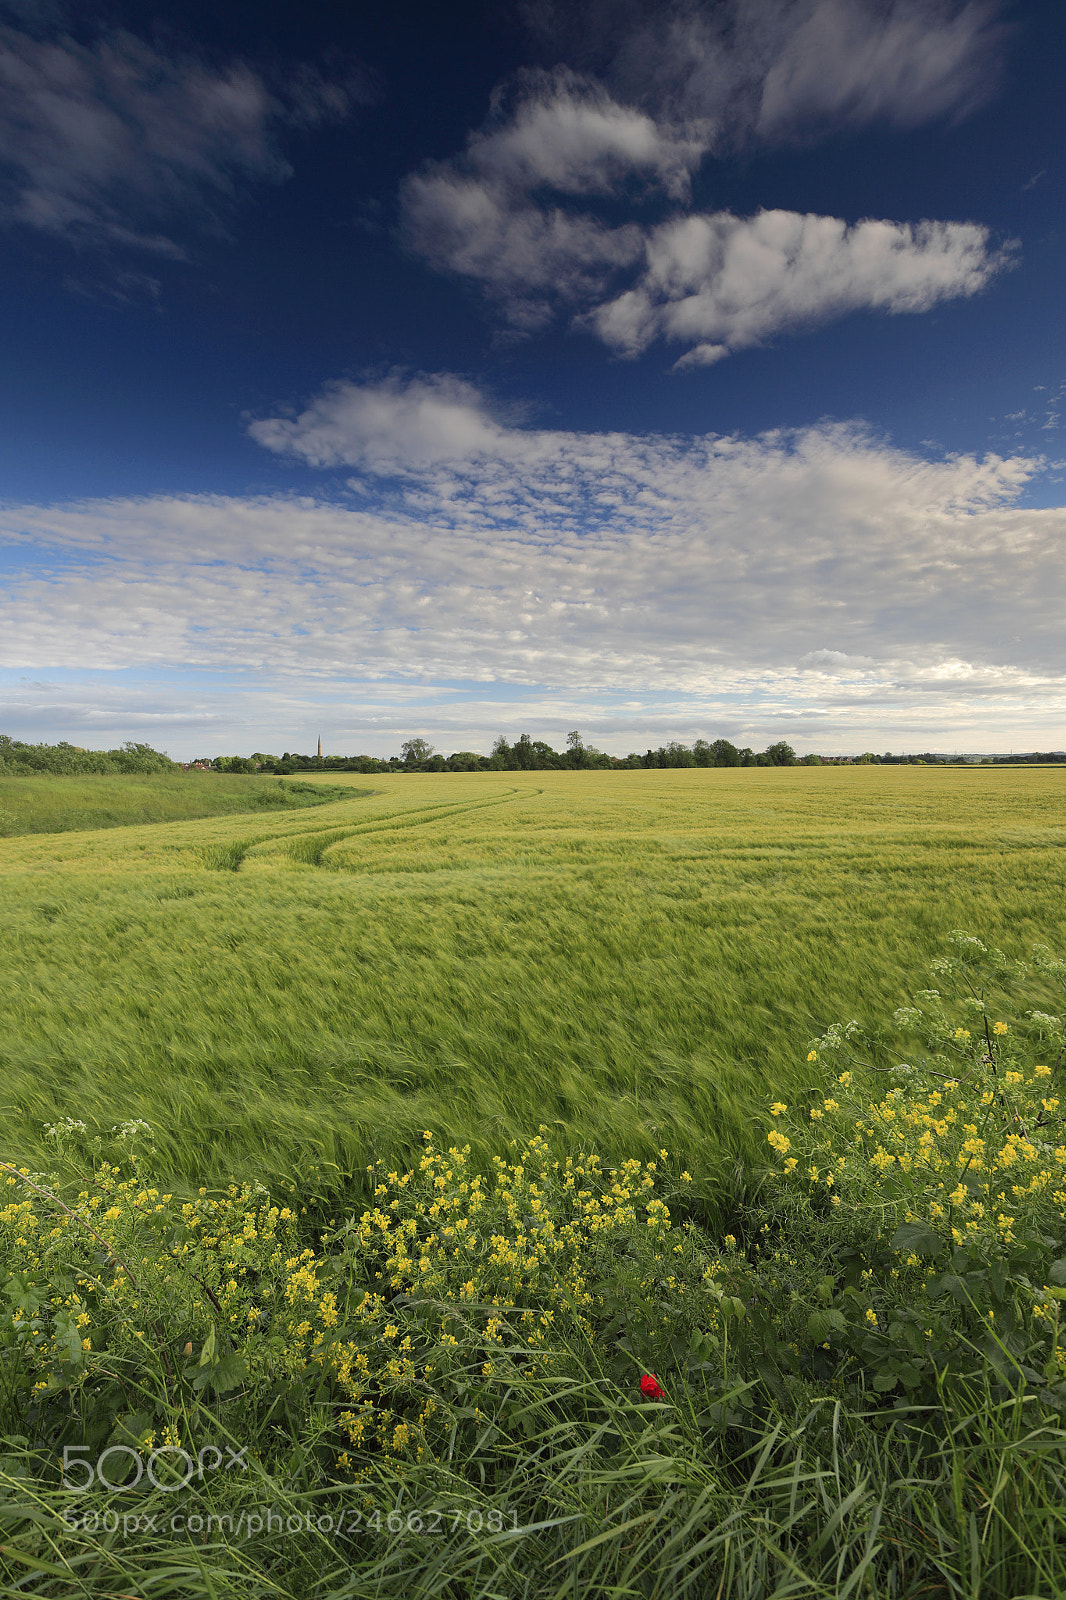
(657, 370)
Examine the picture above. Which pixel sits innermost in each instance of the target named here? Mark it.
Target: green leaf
(950, 1283)
(68, 1338)
(224, 1375)
(23, 1294)
(820, 1324)
(1057, 1274)
(131, 1429)
(919, 1239)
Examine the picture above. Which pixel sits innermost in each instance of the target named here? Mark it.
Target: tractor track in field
(310, 845)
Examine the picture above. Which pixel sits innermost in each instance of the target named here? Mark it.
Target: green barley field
(627, 1346)
(632, 959)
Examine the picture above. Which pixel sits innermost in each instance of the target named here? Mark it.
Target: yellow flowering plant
(125, 1303)
(131, 1308)
(479, 1281)
(937, 1186)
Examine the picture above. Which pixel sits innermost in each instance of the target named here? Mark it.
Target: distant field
(62, 805)
(634, 958)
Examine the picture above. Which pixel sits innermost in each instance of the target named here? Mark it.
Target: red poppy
(649, 1387)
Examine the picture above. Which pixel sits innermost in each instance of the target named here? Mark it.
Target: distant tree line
(418, 755)
(1043, 757)
(524, 755)
(533, 755)
(63, 759)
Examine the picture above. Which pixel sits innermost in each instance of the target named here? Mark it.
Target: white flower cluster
(56, 1130)
(131, 1130)
(836, 1036)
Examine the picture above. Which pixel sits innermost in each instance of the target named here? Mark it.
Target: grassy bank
(49, 804)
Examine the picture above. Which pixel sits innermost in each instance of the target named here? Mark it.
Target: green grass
(636, 959)
(44, 804)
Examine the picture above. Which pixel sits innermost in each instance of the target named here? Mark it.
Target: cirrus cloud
(105, 142)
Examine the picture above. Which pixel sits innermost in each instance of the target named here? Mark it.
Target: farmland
(661, 1330)
(636, 959)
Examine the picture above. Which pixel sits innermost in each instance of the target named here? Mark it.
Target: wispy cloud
(107, 142)
(782, 71)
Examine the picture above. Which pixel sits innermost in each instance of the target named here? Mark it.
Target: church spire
(320, 747)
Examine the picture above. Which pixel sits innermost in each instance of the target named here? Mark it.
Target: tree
(414, 751)
(781, 754)
(500, 760)
(677, 754)
(546, 756)
(575, 748)
(725, 754)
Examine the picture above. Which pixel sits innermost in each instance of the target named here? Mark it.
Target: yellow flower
(778, 1108)
(812, 1055)
(779, 1141)
(999, 1027)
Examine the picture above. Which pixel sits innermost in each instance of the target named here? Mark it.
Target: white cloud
(503, 214)
(475, 215)
(720, 282)
(387, 426)
(562, 131)
(747, 583)
(528, 258)
(107, 141)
